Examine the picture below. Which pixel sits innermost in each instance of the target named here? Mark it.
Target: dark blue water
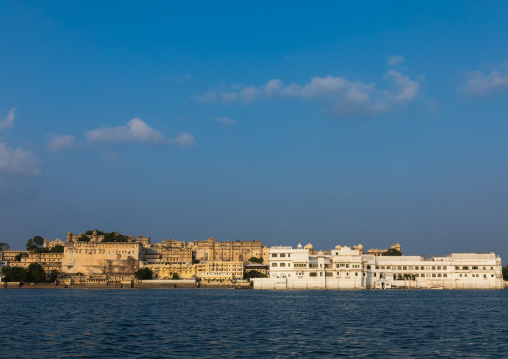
(253, 324)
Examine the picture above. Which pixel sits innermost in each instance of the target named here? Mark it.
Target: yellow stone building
(95, 237)
(166, 271)
(211, 250)
(211, 272)
(176, 255)
(48, 261)
(380, 252)
(10, 256)
(214, 271)
(101, 258)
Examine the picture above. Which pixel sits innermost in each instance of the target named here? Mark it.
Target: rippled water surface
(248, 323)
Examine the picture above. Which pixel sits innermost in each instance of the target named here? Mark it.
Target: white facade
(347, 268)
(297, 269)
(455, 271)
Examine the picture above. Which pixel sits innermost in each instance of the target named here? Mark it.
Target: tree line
(33, 274)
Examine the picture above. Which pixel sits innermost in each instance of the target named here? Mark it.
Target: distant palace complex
(95, 257)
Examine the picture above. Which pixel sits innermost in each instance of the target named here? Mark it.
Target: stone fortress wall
(90, 258)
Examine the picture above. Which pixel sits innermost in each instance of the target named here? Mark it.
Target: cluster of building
(211, 261)
(94, 260)
(348, 268)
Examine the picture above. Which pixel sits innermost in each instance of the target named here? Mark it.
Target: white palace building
(348, 268)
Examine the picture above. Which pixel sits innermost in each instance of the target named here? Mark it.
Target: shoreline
(15, 285)
(61, 286)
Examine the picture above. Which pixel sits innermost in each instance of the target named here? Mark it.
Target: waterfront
(236, 323)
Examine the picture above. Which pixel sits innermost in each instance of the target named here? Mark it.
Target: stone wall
(91, 258)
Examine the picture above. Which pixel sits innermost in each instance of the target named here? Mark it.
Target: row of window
(357, 266)
(411, 267)
(433, 275)
(281, 255)
(314, 274)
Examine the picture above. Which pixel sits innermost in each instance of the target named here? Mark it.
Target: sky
(331, 122)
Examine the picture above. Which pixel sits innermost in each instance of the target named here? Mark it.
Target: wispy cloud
(225, 121)
(184, 139)
(395, 60)
(185, 78)
(340, 96)
(18, 161)
(8, 121)
(62, 142)
(110, 156)
(136, 131)
(481, 84)
(15, 162)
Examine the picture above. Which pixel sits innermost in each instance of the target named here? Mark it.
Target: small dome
(299, 246)
(321, 253)
(338, 247)
(360, 246)
(309, 247)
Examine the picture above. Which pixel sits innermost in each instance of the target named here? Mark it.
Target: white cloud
(62, 142)
(340, 96)
(225, 121)
(479, 84)
(8, 122)
(208, 97)
(184, 140)
(395, 60)
(18, 161)
(185, 78)
(110, 156)
(407, 89)
(15, 161)
(135, 131)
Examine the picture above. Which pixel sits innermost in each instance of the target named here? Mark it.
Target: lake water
(208, 323)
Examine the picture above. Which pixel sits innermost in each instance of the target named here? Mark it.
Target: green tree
(145, 273)
(57, 249)
(35, 244)
(256, 260)
(53, 276)
(505, 272)
(195, 261)
(83, 238)
(18, 256)
(14, 274)
(253, 274)
(114, 237)
(4, 246)
(392, 252)
(35, 273)
(176, 276)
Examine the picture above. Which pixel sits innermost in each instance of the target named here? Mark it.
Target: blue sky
(289, 122)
